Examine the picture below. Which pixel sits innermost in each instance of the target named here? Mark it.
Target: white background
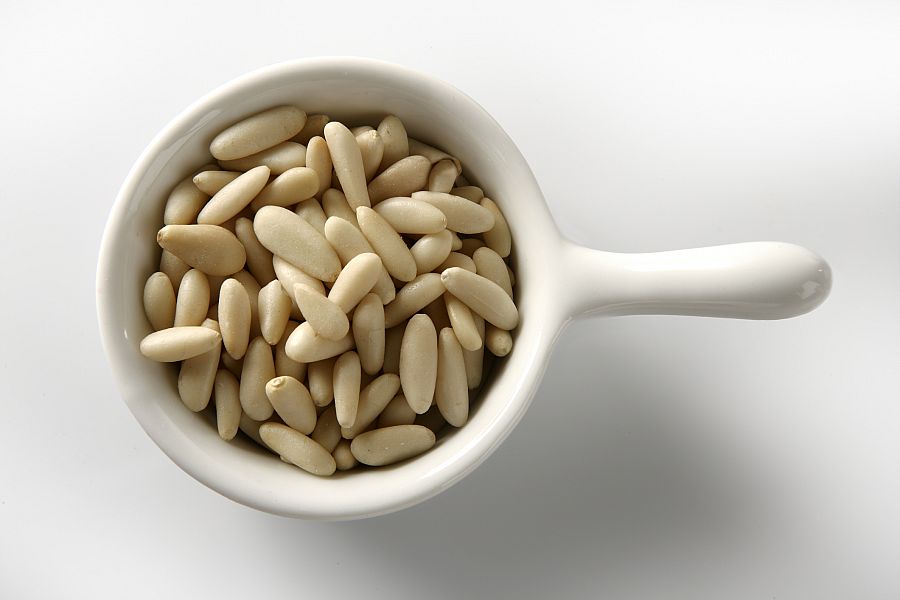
(663, 457)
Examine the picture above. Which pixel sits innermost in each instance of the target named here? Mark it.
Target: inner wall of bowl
(432, 113)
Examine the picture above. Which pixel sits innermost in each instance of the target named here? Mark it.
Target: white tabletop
(663, 457)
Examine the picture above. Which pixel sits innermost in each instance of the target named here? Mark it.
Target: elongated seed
(457, 259)
(498, 238)
(451, 392)
(462, 215)
(431, 250)
(397, 412)
(304, 345)
(159, 301)
(396, 142)
(289, 275)
(318, 158)
(315, 125)
(469, 192)
(413, 297)
(259, 368)
(234, 366)
(483, 296)
(457, 243)
(372, 400)
(348, 163)
(298, 449)
(197, 374)
(184, 203)
(432, 419)
(279, 159)
(228, 404)
(437, 312)
(251, 429)
(325, 317)
(357, 279)
(334, 203)
(391, 444)
(406, 215)
(193, 299)
(274, 311)
(498, 341)
(387, 243)
(371, 147)
(442, 176)
(360, 129)
(488, 264)
(210, 248)
(343, 457)
(284, 364)
(348, 242)
(402, 178)
(293, 403)
(431, 153)
(259, 259)
(211, 182)
(321, 381)
(393, 342)
(179, 343)
(312, 213)
(234, 197)
(258, 132)
(289, 236)
(347, 376)
(289, 188)
(474, 359)
(252, 288)
(463, 323)
(174, 268)
(328, 430)
(368, 333)
(234, 317)
(418, 362)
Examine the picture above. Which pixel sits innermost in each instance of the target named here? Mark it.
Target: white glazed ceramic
(556, 280)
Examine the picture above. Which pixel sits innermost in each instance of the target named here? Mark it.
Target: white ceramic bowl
(556, 281)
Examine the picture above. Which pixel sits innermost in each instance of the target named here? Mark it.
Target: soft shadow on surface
(604, 473)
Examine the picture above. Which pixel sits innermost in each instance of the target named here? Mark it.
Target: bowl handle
(755, 280)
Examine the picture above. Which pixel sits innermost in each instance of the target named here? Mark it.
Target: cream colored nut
(418, 362)
(469, 192)
(318, 158)
(293, 403)
(174, 268)
(437, 312)
(431, 250)
(328, 430)
(488, 264)
(463, 323)
(406, 215)
(193, 299)
(343, 458)
(357, 279)
(393, 342)
(289, 275)
(197, 374)
(159, 301)
(497, 238)
(368, 333)
(289, 236)
(387, 243)
(258, 369)
(334, 203)
(179, 343)
(284, 364)
(253, 288)
(348, 242)
(348, 163)
(457, 243)
(462, 215)
(372, 400)
(274, 307)
(475, 359)
(321, 381)
(234, 366)
(360, 129)
(451, 394)
(325, 317)
(184, 203)
(397, 412)
(235, 316)
(211, 182)
(391, 444)
(396, 142)
(315, 125)
(457, 259)
(372, 149)
(251, 430)
(497, 340)
(433, 155)
(402, 178)
(289, 188)
(259, 259)
(258, 132)
(298, 449)
(413, 297)
(228, 404)
(304, 345)
(210, 248)
(482, 296)
(432, 419)
(346, 385)
(279, 159)
(442, 176)
(312, 212)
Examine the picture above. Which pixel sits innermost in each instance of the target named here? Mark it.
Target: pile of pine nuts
(331, 290)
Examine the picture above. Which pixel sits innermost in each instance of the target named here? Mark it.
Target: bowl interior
(355, 91)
